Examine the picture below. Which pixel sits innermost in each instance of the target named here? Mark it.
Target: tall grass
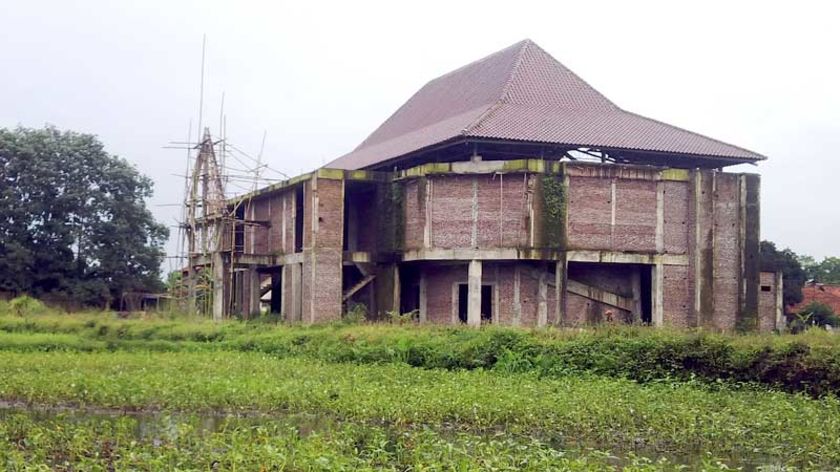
(808, 362)
(613, 414)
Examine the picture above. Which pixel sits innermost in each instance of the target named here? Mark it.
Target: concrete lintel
(357, 257)
(293, 258)
(466, 254)
(627, 258)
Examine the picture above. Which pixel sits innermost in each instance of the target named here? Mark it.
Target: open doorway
(486, 302)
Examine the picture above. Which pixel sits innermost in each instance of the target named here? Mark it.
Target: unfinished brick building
(510, 191)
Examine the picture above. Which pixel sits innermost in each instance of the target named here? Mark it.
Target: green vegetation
(100, 442)
(617, 415)
(70, 213)
(808, 362)
(554, 209)
(407, 397)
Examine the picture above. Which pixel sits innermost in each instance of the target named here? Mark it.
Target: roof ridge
(505, 89)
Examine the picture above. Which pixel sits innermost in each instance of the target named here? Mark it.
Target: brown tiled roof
(521, 93)
(828, 294)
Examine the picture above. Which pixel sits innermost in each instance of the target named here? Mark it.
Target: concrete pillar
(253, 281)
(781, 325)
(517, 300)
(560, 291)
(542, 302)
(397, 290)
(658, 298)
(296, 292)
(423, 315)
(636, 281)
(474, 294)
(219, 285)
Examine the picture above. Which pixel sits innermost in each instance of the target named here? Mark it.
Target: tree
(827, 271)
(793, 276)
(814, 314)
(73, 219)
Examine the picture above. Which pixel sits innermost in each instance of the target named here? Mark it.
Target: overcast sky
(318, 77)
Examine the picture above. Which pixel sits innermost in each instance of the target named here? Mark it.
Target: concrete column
(517, 301)
(219, 285)
(658, 298)
(296, 291)
(423, 315)
(397, 290)
(474, 294)
(560, 291)
(636, 280)
(542, 303)
(253, 293)
(780, 304)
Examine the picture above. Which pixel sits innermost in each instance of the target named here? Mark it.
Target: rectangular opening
(463, 297)
(239, 230)
(486, 302)
(299, 218)
(276, 303)
(766, 288)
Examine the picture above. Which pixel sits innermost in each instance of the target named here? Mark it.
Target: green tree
(73, 219)
(826, 271)
(787, 261)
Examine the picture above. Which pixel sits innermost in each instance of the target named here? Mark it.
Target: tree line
(74, 226)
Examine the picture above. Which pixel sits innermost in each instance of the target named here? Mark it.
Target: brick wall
(767, 302)
(726, 258)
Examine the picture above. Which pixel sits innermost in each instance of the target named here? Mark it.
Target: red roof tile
(828, 294)
(521, 93)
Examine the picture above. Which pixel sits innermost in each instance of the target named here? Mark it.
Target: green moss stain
(551, 193)
(392, 215)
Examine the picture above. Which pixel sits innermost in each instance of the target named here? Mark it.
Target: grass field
(88, 392)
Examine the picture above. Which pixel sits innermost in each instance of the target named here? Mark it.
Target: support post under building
(474, 294)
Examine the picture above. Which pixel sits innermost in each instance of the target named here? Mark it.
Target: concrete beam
(474, 294)
(513, 253)
(599, 295)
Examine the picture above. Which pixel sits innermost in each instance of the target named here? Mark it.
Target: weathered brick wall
(635, 216)
(485, 211)
(452, 211)
(442, 291)
(415, 213)
(323, 267)
(261, 211)
(677, 297)
(677, 218)
(589, 213)
(726, 258)
(439, 290)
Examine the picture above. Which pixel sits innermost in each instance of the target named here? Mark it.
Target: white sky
(318, 77)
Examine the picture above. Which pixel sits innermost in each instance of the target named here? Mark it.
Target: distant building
(828, 294)
(509, 191)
